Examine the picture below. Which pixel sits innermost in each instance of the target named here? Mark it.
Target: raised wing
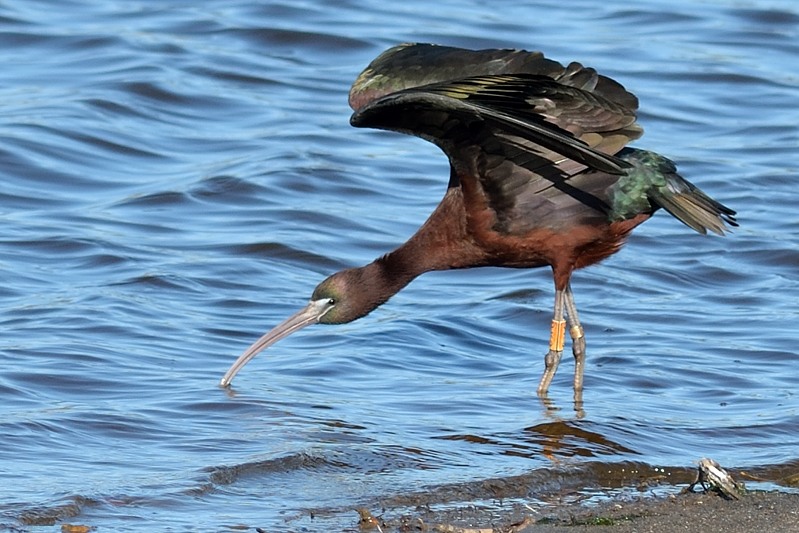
(413, 65)
(522, 136)
(571, 122)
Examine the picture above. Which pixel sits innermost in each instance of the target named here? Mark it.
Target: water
(177, 177)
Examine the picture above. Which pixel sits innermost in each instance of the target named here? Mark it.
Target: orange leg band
(558, 335)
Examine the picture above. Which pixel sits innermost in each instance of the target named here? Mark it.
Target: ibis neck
(389, 274)
(442, 243)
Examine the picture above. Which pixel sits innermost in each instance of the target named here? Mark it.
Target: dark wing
(522, 137)
(413, 65)
(568, 121)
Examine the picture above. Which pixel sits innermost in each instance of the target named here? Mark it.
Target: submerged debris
(512, 528)
(75, 528)
(366, 521)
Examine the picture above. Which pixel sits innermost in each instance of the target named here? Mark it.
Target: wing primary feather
(403, 111)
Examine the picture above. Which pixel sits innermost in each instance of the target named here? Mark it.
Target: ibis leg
(556, 340)
(578, 338)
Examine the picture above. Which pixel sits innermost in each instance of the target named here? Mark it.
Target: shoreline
(679, 511)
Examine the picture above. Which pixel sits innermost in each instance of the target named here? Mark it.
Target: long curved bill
(310, 314)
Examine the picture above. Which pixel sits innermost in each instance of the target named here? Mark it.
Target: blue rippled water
(177, 177)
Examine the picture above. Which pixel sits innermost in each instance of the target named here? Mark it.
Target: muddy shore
(680, 511)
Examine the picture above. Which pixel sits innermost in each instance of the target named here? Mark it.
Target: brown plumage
(540, 175)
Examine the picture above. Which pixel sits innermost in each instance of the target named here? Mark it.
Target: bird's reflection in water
(556, 439)
(550, 408)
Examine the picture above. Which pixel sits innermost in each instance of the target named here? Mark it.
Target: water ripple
(178, 177)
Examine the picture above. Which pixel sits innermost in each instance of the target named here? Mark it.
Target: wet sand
(697, 512)
(637, 498)
(756, 511)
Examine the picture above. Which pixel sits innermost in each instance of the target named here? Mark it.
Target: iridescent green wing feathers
(653, 178)
(572, 111)
(414, 65)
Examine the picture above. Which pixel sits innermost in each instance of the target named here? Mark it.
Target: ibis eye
(331, 301)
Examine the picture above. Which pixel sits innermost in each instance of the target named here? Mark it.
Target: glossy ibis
(540, 175)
